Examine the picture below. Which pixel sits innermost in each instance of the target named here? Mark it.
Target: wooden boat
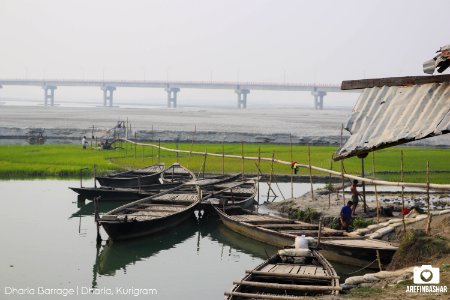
(281, 232)
(236, 193)
(288, 277)
(121, 194)
(153, 214)
(178, 173)
(146, 176)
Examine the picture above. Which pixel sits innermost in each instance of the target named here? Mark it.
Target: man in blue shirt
(346, 215)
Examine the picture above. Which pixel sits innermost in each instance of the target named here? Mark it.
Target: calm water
(48, 241)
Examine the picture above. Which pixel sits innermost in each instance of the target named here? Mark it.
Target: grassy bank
(66, 160)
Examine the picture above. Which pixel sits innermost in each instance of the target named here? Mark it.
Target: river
(48, 246)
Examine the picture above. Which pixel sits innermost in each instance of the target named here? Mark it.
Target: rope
(362, 268)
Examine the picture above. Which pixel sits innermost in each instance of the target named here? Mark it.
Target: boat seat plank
(267, 268)
(284, 268)
(310, 270)
(295, 270)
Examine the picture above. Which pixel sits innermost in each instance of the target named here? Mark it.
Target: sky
(293, 41)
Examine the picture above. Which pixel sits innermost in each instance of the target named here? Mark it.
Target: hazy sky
(228, 40)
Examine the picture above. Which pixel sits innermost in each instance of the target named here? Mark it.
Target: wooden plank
(294, 269)
(296, 287)
(270, 274)
(284, 268)
(267, 268)
(393, 81)
(310, 270)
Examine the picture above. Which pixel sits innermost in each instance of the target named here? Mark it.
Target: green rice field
(63, 161)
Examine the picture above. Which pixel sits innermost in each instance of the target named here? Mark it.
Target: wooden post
(223, 158)
(95, 176)
(92, 136)
(242, 155)
(159, 151)
(259, 169)
(363, 185)
(204, 165)
(153, 139)
(270, 176)
(375, 187)
(342, 167)
(143, 152)
(329, 182)
(192, 145)
(428, 230)
(97, 218)
(310, 173)
(379, 260)
(292, 169)
(81, 178)
(319, 233)
(176, 153)
(402, 178)
(202, 168)
(135, 145)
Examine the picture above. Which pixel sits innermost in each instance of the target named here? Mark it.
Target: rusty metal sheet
(387, 116)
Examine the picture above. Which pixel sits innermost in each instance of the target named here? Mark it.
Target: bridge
(172, 88)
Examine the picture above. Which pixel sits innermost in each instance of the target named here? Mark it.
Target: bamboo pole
(379, 261)
(310, 173)
(329, 182)
(270, 176)
(375, 187)
(305, 166)
(192, 145)
(259, 171)
(319, 232)
(223, 158)
(402, 179)
(153, 139)
(242, 154)
(292, 169)
(143, 152)
(97, 218)
(343, 181)
(159, 151)
(135, 145)
(176, 145)
(428, 230)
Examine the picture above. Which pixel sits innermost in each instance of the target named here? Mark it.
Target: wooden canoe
(236, 193)
(281, 232)
(121, 194)
(135, 178)
(153, 214)
(287, 278)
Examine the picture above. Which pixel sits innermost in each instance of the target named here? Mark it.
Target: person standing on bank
(355, 196)
(84, 142)
(345, 217)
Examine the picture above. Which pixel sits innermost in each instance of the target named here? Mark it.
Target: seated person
(345, 217)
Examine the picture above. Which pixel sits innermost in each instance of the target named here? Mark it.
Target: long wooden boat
(178, 173)
(147, 176)
(281, 232)
(121, 194)
(237, 193)
(153, 214)
(288, 277)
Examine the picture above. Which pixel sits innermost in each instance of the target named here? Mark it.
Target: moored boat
(290, 274)
(281, 232)
(153, 214)
(236, 193)
(135, 178)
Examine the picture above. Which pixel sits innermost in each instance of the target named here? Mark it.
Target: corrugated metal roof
(387, 116)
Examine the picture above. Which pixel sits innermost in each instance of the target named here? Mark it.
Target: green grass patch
(30, 161)
(360, 222)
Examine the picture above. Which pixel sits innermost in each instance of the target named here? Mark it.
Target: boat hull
(129, 181)
(122, 230)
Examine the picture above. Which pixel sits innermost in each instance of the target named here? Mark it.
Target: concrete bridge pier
(49, 95)
(172, 97)
(242, 97)
(108, 92)
(318, 99)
